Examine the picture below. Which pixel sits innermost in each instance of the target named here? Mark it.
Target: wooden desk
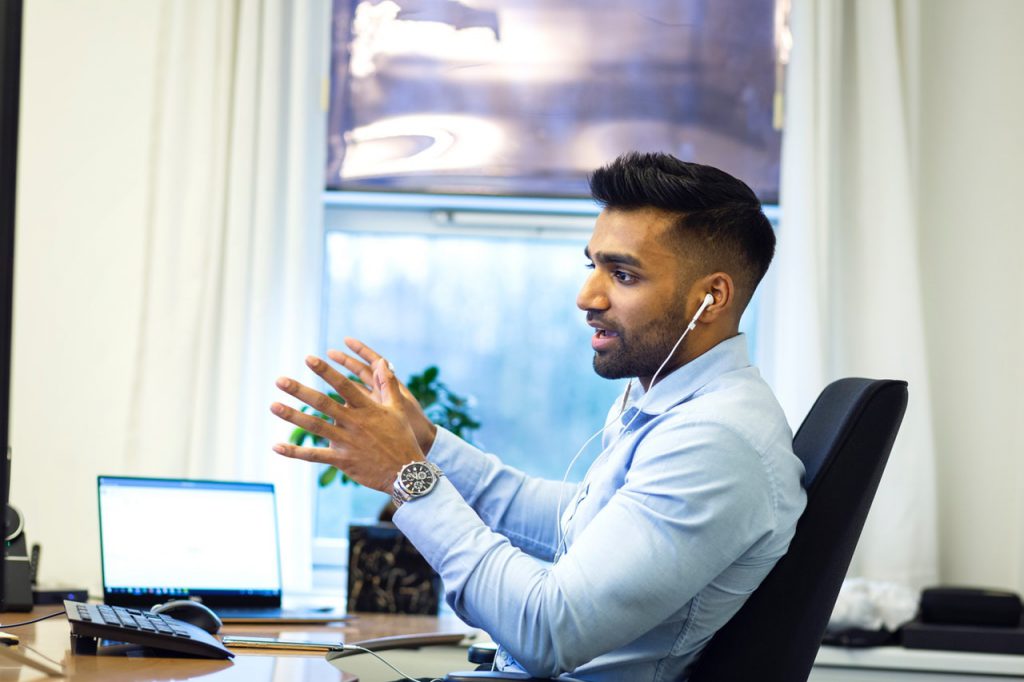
(51, 639)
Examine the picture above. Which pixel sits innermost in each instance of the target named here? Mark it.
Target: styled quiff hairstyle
(719, 221)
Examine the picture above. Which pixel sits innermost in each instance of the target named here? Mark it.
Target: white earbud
(708, 300)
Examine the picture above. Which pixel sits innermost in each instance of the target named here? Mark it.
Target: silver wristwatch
(415, 479)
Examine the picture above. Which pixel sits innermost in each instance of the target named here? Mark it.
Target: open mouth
(603, 339)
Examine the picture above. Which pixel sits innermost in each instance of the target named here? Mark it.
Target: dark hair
(719, 215)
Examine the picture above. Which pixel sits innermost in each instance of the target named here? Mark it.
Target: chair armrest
(483, 653)
(498, 675)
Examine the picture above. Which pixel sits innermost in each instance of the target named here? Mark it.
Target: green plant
(441, 405)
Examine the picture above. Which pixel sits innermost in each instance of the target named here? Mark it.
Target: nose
(592, 295)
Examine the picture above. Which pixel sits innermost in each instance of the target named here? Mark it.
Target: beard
(640, 352)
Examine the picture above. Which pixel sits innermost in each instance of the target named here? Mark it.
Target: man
(695, 495)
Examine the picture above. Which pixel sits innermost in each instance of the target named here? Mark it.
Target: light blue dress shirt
(679, 518)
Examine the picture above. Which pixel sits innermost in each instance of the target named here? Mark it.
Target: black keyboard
(92, 623)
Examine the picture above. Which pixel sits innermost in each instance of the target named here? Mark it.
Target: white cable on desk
(355, 647)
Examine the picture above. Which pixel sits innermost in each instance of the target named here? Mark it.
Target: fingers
(315, 399)
(386, 383)
(315, 425)
(362, 350)
(361, 370)
(353, 394)
(320, 455)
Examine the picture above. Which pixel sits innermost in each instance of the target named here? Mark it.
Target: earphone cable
(34, 620)
(356, 647)
(559, 534)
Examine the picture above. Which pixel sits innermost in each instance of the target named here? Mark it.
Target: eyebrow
(615, 258)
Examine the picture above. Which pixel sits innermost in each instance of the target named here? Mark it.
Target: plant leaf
(298, 436)
(327, 475)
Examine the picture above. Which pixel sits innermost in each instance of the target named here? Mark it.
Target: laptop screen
(166, 539)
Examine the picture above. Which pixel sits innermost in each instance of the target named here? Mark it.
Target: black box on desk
(977, 638)
(57, 595)
(387, 575)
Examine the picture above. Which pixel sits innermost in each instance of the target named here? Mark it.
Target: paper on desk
(293, 645)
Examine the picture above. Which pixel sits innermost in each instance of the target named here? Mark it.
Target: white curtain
(845, 295)
(233, 246)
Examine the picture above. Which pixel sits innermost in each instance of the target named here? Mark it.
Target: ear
(722, 289)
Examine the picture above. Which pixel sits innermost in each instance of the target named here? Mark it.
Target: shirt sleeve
(522, 508)
(694, 500)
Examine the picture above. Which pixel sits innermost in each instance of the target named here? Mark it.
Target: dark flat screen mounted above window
(525, 97)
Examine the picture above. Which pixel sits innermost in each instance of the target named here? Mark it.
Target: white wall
(84, 143)
(86, 111)
(971, 207)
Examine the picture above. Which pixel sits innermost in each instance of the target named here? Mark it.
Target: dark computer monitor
(10, 78)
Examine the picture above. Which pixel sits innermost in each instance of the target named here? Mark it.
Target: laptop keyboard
(93, 623)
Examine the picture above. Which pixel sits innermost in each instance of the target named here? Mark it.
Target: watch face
(417, 478)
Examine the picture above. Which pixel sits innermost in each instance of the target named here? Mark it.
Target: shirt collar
(681, 384)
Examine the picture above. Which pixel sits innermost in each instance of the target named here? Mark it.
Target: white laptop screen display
(188, 538)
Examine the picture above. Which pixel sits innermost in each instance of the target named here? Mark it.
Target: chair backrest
(844, 443)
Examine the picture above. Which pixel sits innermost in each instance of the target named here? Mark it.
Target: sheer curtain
(846, 297)
(233, 246)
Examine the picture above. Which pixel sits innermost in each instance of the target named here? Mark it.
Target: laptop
(211, 541)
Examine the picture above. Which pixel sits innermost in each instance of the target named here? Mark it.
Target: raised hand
(370, 437)
(424, 429)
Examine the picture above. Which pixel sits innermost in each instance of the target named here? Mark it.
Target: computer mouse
(192, 612)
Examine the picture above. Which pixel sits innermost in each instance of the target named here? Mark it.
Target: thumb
(387, 384)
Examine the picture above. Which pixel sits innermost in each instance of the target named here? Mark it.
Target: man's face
(634, 299)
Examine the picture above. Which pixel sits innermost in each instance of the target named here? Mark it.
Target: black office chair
(844, 443)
